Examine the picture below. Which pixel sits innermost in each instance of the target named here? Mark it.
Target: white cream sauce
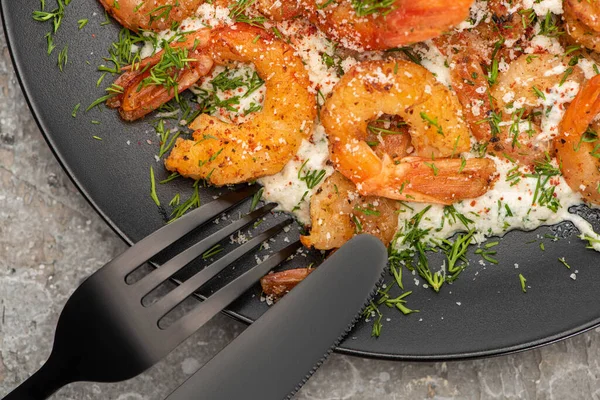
(503, 208)
(286, 189)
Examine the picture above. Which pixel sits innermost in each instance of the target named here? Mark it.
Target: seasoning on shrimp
(436, 128)
(526, 87)
(224, 153)
(577, 149)
(154, 15)
(400, 22)
(338, 212)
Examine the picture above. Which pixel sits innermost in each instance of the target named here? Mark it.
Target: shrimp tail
(578, 156)
(583, 109)
(139, 95)
(417, 20)
(435, 181)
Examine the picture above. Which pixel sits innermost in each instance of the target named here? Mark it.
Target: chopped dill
(153, 187)
(564, 262)
(432, 122)
(192, 202)
(75, 109)
(311, 177)
(213, 251)
(523, 283)
(256, 198)
(368, 7)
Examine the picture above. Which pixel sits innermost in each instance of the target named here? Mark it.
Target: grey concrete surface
(50, 239)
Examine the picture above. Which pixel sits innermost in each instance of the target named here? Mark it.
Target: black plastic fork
(106, 334)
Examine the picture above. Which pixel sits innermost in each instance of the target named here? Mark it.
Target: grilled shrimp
(153, 15)
(224, 153)
(521, 90)
(471, 54)
(436, 129)
(539, 71)
(338, 212)
(404, 22)
(141, 95)
(577, 151)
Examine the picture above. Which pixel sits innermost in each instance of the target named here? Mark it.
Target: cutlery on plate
(279, 352)
(106, 334)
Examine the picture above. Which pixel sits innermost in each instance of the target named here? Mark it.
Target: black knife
(279, 352)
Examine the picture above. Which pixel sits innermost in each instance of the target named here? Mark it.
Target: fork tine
(192, 321)
(181, 292)
(153, 244)
(168, 269)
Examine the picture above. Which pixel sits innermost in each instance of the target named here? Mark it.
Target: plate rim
(29, 99)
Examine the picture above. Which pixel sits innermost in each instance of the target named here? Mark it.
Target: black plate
(483, 313)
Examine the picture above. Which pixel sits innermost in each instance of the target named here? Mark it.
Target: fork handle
(42, 384)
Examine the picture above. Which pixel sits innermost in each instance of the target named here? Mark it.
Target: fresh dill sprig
(450, 212)
(311, 177)
(238, 13)
(384, 298)
(256, 198)
(153, 187)
(213, 251)
(433, 122)
(55, 18)
(564, 262)
(455, 252)
(368, 7)
(368, 210)
(167, 137)
(523, 282)
(192, 202)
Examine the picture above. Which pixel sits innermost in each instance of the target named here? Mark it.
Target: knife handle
(279, 352)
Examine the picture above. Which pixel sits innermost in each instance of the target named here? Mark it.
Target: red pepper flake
(473, 202)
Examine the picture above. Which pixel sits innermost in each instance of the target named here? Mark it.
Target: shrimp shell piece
(436, 128)
(224, 153)
(336, 207)
(579, 159)
(278, 284)
(154, 15)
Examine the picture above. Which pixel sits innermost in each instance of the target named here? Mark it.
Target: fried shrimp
(147, 85)
(577, 150)
(521, 91)
(515, 87)
(436, 129)
(153, 15)
(338, 212)
(224, 153)
(404, 22)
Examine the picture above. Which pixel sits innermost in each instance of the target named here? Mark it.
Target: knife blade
(278, 353)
